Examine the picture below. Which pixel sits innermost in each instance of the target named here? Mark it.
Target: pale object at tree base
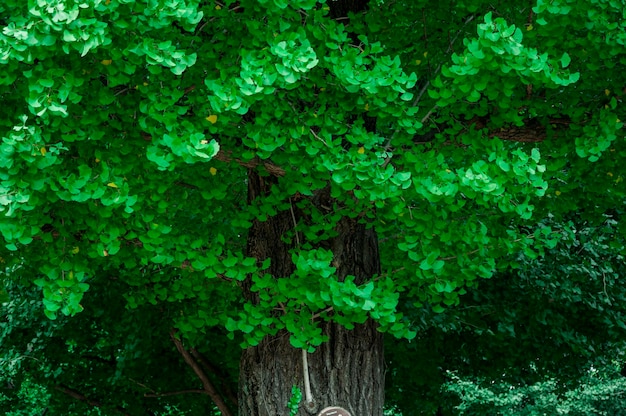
(334, 411)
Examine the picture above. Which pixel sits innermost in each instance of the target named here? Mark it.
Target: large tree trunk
(348, 370)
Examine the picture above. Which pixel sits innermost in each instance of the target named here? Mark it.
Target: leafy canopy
(472, 136)
(129, 127)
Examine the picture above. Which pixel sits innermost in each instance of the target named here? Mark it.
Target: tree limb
(81, 397)
(77, 395)
(226, 157)
(206, 383)
(209, 366)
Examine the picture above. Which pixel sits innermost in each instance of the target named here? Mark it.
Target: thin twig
(175, 393)
(142, 385)
(318, 314)
(428, 114)
(318, 138)
(295, 223)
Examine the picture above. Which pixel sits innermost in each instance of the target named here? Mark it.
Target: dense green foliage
(550, 333)
(599, 394)
(480, 140)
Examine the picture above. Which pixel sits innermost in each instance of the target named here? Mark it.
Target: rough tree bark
(348, 370)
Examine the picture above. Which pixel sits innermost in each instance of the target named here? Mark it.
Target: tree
(299, 172)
